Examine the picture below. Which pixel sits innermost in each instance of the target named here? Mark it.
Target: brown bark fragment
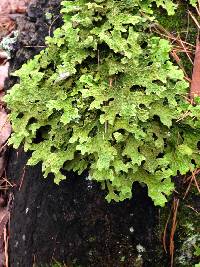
(195, 84)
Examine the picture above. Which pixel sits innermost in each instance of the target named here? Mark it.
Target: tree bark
(72, 222)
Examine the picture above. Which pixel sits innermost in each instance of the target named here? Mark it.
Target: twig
(174, 38)
(22, 178)
(174, 224)
(188, 188)
(178, 61)
(52, 24)
(194, 19)
(184, 48)
(35, 46)
(187, 113)
(196, 183)
(190, 179)
(6, 247)
(198, 8)
(192, 208)
(165, 233)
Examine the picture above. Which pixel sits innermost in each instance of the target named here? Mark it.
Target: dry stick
(188, 23)
(185, 50)
(194, 19)
(199, 6)
(174, 224)
(193, 91)
(174, 38)
(178, 61)
(22, 178)
(196, 183)
(185, 114)
(52, 24)
(192, 208)
(179, 48)
(174, 54)
(197, 10)
(34, 261)
(160, 30)
(35, 46)
(8, 184)
(6, 247)
(192, 178)
(196, 171)
(165, 233)
(188, 188)
(5, 179)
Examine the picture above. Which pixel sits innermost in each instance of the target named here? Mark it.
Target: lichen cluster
(105, 97)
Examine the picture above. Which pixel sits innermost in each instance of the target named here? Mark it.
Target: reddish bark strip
(195, 84)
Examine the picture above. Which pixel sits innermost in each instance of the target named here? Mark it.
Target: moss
(58, 264)
(188, 231)
(187, 234)
(181, 25)
(177, 22)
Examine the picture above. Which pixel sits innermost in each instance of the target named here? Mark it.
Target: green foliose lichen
(105, 97)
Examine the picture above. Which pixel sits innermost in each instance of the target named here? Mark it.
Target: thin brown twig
(52, 24)
(190, 179)
(6, 246)
(198, 8)
(161, 30)
(188, 188)
(178, 61)
(181, 50)
(7, 182)
(196, 183)
(165, 233)
(188, 23)
(35, 46)
(192, 208)
(2, 147)
(186, 51)
(187, 178)
(173, 229)
(199, 5)
(22, 178)
(194, 19)
(187, 113)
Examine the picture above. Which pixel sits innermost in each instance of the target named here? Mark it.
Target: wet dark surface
(73, 222)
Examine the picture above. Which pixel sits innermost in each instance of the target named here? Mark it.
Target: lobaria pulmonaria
(105, 97)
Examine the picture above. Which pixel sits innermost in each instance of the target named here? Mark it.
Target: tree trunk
(72, 223)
